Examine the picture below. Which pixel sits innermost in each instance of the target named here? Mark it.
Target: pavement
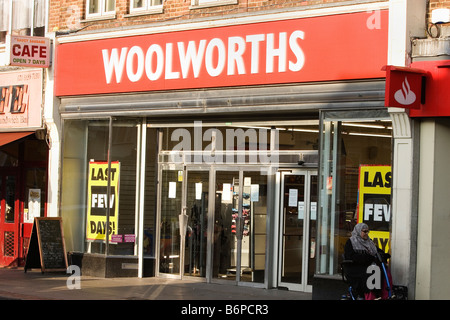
(15, 284)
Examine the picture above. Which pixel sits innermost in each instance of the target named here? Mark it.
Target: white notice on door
(293, 195)
(34, 205)
(172, 190)
(254, 192)
(198, 191)
(301, 210)
(226, 192)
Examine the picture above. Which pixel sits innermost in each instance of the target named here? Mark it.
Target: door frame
(303, 286)
(212, 169)
(241, 169)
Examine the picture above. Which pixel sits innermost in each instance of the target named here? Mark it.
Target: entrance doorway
(240, 216)
(298, 213)
(226, 209)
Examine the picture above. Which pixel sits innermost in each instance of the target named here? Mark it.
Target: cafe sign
(26, 51)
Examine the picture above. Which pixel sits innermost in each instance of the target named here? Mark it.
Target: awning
(7, 137)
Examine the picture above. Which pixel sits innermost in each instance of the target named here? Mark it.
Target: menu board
(46, 248)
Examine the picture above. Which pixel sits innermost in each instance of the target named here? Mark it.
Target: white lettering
(255, 40)
(217, 44)
(169, 73)
(135, 76)
(297, 50)
(271, 52)
(114, 63)
(236, 48)
(191, 56)
(154, 75)
(236, 56)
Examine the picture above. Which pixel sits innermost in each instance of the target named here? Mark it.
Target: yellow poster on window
(97, 206)
(374, 202)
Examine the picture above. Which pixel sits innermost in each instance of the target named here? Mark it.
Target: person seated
(361, 250)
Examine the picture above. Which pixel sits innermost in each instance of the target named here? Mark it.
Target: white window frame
(147, 8)
(196, 4)
(103, 14)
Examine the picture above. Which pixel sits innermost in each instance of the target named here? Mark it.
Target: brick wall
(64, 13)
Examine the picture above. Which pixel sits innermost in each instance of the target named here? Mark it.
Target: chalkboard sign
(46, 248)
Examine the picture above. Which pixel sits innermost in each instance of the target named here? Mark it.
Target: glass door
(240, 214)
(298, 208)
(183, 192)
(233, 246)
(171, 184)
(196, 239)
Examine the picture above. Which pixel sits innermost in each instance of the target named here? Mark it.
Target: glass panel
(150, 193)
(123, 150)
(110, 5)
(74, 182)
(254, 214)
(293, 219)
(347, 143)
(21, 21)
(225, 225)
(171, 189)
(137, 4)
(313, 198)
(10, 199)
(97, 150)
(94, 6)
(197, 210)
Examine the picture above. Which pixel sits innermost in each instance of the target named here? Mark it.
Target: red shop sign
(437, 91)
(404, 87)
(324, 48)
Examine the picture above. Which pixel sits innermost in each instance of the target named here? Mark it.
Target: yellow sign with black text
(98, 200)
(374, 202)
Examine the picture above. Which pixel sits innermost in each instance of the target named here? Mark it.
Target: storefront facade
(234, 150)
(24, 154)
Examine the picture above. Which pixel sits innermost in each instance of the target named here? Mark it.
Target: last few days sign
(374, 202)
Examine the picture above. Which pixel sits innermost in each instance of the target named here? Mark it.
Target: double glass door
(298, 212)
(225, 234)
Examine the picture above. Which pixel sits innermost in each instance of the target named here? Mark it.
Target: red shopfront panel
(437, 89)
(334, 47)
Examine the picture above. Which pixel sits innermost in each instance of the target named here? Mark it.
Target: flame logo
(405, 96)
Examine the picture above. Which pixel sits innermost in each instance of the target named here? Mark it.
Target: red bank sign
(335, 47)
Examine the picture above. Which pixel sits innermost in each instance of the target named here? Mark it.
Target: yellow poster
(374, 202)
(98, 200)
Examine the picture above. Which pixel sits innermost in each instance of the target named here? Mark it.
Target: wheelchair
(392, 292)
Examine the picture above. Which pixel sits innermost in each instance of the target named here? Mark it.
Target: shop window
(145, 6)
(28, 18)
(351, 141)
(103, 9)
(90, 201)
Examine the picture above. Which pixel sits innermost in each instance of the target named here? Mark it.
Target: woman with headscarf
(362, 251)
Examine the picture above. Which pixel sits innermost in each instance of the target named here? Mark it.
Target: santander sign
(324, 48)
